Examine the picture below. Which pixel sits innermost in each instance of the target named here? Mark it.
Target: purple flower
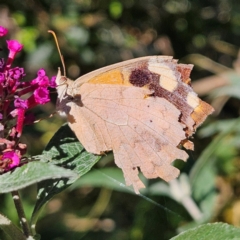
(3, 31)
(14, 47)
(41, 72)
(20, 103)
(42, 80)
(14, 108)
(16, 73)
(41, 95)
(52, 82)
(13, 157)
(13, 77)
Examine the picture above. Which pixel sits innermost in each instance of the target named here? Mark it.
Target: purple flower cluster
(17, 97)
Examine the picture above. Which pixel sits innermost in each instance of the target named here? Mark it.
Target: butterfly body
(142, 109)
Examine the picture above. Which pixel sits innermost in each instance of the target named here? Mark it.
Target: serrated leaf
(213, 231)
(31, 173)
(10, 229)
(64, 150)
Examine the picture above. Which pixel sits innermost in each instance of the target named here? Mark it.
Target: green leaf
(10, 229)
(213, 231)
(31, 173)
(64, 150)
(107, 177)
(203, 174)
(111, 178)
(219, 126)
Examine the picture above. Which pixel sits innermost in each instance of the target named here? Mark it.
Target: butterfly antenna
(59, 51)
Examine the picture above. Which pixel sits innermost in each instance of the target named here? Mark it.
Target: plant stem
(21, 214)
(181, 193)
(192, 208)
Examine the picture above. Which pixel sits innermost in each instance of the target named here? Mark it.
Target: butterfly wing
(142, 110)
(142, 131)
(164, 76)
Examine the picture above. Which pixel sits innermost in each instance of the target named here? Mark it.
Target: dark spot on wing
(140, 77)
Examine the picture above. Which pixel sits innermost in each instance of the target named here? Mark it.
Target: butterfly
(144, 110)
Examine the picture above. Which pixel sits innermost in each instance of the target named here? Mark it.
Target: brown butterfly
(144, 110)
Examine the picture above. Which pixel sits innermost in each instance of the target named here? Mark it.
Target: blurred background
(93, 34)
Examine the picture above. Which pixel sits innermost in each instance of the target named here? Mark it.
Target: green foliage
(31, 173)
(62, 162)
(213, 231)
(11, 231)
(66, 151)
(107, 177)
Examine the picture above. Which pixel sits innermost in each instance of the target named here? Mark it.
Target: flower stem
(21, 214)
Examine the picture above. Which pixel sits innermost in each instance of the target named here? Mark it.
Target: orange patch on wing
(110, 77)
(187, 144)
(201, 112)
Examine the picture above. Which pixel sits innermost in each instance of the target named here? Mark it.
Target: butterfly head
(64, 92)
(60, 80)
